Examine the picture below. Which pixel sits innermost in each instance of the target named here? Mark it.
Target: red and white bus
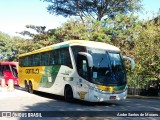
(9, 70)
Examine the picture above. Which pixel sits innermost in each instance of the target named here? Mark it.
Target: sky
(15, 14)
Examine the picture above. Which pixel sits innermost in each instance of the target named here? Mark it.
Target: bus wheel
(26, 86)
(68, 94)
(30, 87)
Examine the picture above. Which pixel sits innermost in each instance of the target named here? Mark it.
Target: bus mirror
(131, 61)
(89, 58)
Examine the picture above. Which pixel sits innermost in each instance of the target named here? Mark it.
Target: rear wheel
(68, 94)
(30, 87)
(26, 86)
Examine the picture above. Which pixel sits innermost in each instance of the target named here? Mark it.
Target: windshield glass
(108, 67)
(14, 70)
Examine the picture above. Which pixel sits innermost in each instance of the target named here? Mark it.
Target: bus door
(82, 86)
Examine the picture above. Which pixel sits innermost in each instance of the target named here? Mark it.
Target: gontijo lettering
(32, 71)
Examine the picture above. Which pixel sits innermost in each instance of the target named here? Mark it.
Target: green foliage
(93, 8)
(75, 29)
(123, 29)
(11, 47)
(6, 47)
(147, 52)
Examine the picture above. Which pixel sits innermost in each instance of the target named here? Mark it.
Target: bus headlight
(105, 88)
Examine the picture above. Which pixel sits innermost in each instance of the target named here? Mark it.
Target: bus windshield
(108, 67)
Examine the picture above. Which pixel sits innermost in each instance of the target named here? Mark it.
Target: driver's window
(82, 67)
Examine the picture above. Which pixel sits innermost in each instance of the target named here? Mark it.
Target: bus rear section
(9, 70)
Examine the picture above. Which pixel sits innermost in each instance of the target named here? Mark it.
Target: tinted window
(6, 68)
(65, 58)
(82, 67)
(14, 70)
(23, 61)
(45, 58)
(36, 60)
(76, 49)
(30, 60)
(55, 57)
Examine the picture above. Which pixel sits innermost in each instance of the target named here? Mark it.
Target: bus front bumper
(104, 97)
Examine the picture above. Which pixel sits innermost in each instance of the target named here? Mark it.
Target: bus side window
(44, 58)
(65, 58)
(54, 58)
(30, 60)
(36, 60)
(23, 61)
(51, 58)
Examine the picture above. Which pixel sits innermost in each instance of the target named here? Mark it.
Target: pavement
(4, 93)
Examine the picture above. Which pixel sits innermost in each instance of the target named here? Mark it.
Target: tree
(123, 29)
(76, 29)
(147, 52)
(5, 46)
(93, 8)
(40, 32)
(41, 37)
(9, 47)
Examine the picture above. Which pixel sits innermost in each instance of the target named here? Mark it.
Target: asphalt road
(19, 100)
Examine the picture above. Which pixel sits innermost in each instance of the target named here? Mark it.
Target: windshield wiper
(100, 62)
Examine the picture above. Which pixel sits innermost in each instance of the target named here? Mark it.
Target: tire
(68, 94)
(30, 87)
(26, 86)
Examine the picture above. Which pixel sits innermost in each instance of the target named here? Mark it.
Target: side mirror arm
(89, 58)
(131, 61)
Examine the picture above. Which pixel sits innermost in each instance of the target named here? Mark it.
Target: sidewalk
(4, 93)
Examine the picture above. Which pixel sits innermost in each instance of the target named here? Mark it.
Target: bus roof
(92, 44)
(9, 63)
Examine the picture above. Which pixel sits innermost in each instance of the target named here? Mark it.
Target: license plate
(112, 97)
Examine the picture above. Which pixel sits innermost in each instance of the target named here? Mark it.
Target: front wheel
(68, 94)
(30, 87)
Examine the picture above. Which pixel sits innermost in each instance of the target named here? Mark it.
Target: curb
(143, 97)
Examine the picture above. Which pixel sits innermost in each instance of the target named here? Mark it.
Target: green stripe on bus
(61, 46)
(49, 76)
(116, 88)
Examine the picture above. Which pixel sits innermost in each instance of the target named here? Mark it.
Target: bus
(9, 70)
(76, 69)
